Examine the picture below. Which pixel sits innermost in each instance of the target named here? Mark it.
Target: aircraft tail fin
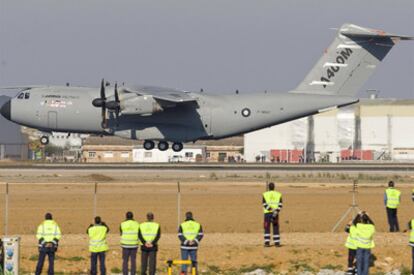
(349, 61)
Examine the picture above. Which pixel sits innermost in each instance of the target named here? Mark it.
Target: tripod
(354, 209)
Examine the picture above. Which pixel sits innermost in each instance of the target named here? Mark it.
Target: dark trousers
(188, 253)
(269, 221)
(129, 254)
(393, 220)
(94, 263)
(50, 252)
(351, 262)
(148, 260)
(363, 257)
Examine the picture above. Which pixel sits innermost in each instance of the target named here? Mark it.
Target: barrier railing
(172, 263)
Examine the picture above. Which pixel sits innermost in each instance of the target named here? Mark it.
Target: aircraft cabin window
(26, 95)
(21, 96)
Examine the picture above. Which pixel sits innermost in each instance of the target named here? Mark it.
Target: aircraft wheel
(44, 140)
(177, 146)
(149, 145)
(163, 146)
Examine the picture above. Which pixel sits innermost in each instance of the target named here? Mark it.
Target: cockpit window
(26, 95)
(20, 96)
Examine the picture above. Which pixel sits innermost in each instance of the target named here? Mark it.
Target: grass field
(228, 206)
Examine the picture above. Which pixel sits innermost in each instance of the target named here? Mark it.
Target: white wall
(374, 133)
(326, 133)
(155, 155)
(402, 132)
(288, 135)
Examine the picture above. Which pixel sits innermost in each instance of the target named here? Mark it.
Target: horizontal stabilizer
(351, 30)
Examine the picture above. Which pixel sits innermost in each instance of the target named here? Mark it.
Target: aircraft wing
(165, 94)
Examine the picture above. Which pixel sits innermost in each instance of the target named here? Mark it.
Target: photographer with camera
(365, 230)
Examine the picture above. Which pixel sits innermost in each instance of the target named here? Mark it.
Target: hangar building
(372, 130)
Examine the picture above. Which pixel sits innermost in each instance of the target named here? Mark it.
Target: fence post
(95, 199)
(178, 204)
(6, 210)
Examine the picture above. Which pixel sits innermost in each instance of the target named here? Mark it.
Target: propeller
(113, 106)
(101, 102)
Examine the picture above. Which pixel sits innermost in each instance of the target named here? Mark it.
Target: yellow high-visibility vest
(272, 198)
(48, 230)
(190, 229)
(351, 241)
(412, 233)
(393, 197)
(365, 235)
(149, 230)
(97, 238)
(129, 236)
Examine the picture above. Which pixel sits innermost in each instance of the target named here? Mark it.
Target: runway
(387, 168)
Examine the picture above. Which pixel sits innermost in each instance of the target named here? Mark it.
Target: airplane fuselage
(69, 109)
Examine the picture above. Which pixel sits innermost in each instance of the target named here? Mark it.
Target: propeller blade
(103, 97)
(103, 114)
(104, 123)
(116, 93)
(118, 106)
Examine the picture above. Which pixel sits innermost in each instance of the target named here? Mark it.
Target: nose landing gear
(44, 140)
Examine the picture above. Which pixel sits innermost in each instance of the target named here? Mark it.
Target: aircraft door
(52, 120)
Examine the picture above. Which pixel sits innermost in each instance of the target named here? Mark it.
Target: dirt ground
(228, 208)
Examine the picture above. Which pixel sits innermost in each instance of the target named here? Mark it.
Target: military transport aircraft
(165, 116)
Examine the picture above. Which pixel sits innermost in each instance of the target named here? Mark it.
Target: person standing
(412, 194)
(149, 235)
(98, 245)
(190, 234)
(365, 230)
(411, 243)
(351, 244)
(272, 204)
(48, 234)
(392, 199)
(129, 242)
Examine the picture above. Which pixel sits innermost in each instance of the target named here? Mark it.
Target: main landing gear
(163, 146)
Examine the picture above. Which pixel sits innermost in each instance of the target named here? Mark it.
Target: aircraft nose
(6, 110)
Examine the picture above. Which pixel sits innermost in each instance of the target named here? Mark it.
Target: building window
(124, 154)
(222, 156)
(189, 154)
(208, 155)
(148, 155)
(92, 154)
(108, 155)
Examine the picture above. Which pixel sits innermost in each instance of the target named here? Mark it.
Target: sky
(217, 45)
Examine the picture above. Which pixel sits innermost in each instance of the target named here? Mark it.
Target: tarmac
(352, 167)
